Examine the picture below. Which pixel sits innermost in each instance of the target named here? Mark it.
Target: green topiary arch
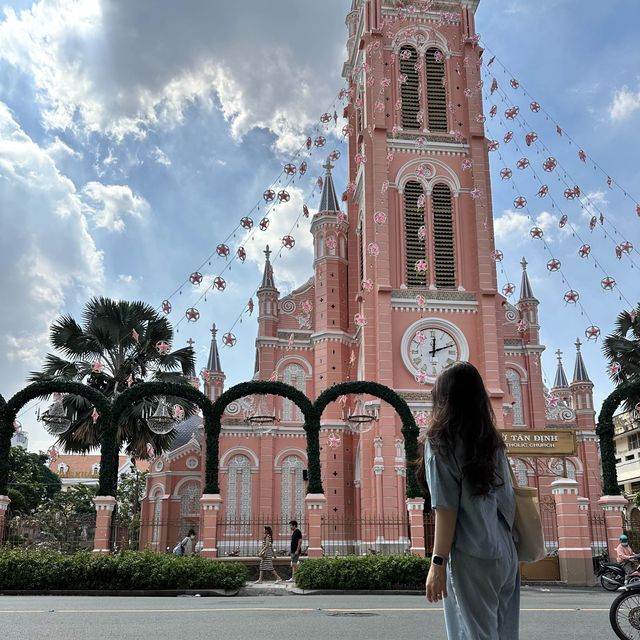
(409, 428)
(9, 411)
(605, 431)
(263, 387)
(139, 391)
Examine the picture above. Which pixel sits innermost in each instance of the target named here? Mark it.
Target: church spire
(560, 381)
(526, 293)
(580, 370)
(267, 276)
(328, 200)
(213, 364)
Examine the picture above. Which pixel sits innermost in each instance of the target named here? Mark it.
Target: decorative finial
(267, 252)
(559, 356)
(191, 342)
(524, 263)
(578, 344)
(328, 166)
(213, 330)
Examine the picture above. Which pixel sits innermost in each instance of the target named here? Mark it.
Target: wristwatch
(438, 560)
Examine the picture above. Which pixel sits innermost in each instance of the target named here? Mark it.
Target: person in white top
(187, 543)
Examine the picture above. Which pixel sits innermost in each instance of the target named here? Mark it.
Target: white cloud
(625, 102)
(59, 150)
(160, 156)
(119, 67)
(108, 204)
(46, 250)
(593, 203)
(514, 226)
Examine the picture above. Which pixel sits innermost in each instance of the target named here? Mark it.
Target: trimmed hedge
(366, 572)
(131, 570)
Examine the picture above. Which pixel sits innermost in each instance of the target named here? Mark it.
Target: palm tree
(119, 343)
(622, 349)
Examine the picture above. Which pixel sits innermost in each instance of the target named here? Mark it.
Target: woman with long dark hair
(474, 566)
(266, 556)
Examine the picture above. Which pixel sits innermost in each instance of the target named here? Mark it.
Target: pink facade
(403, 282)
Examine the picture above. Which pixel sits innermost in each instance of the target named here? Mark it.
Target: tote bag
(528, 523)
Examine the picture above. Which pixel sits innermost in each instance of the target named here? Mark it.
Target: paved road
(555, 614)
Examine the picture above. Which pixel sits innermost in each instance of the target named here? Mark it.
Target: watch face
(431, 350)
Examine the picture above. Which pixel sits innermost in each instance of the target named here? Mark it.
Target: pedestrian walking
(266, 556)
(188, 542)
(296, 548)
(474, 566)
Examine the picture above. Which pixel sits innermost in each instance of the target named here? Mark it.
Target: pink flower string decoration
(402, 78)
(422, 419)
(360, 320)
(385, 186)
(480, 119)
(421, 201)
(367, 285)
(373, 249)
(307, 306)
(420, 337)
(395, 130)
(421, 377)
(422, 233)
(379, 217)
(421, 266)
(475, 193)
(522, 326)
(341, 217)
(94, 415)
(497, 255)
(421, 301)
(467, 164)
(468, 93)
(97, 366)
(273, 377)
(360, 158)
(162, 347)
(405, 54)
(438, 57)
(398, 104)
(458, 135)
(420, 116)
(290, 342)
(351, 187)
(379, 106)
(178, 412)
(451, 107)
(385, 83)
(421, 141)
(389, 156)
(614, 368)
(479, 84)
(331, 243)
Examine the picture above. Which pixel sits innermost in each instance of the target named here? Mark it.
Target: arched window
(292, 489)
(95, 468)
(63, 468)
(436, 92)
(515, 388)
(414, 245)
(189, 508)
(410, 90)
(443, 249)
(239, 489)
(293, 375)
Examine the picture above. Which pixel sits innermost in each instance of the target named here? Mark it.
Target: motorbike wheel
(610, 580)
(624, 615)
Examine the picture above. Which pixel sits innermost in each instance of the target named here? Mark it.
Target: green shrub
(367, 572)
(38, 570)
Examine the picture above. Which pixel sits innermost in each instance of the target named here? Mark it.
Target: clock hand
(446, 346)
(433, 346)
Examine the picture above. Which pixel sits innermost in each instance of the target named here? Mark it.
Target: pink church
(403, 282)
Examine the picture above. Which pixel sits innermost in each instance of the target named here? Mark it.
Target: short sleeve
(444, 481)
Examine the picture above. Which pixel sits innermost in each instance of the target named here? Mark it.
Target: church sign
(540, 442)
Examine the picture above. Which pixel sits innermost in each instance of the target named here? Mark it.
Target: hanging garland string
(605, 431)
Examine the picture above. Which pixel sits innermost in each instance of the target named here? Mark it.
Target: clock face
(431, 350)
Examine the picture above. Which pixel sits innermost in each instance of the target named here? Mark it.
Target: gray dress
(483, 578)
(266, 561)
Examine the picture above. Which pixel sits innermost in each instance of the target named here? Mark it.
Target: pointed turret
(213, 375)
(328, 200)
(526, 293)
(580, 370)
(560, 381)
(267, 276)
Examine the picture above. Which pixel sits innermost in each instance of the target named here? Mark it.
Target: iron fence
(549, 519)
(53, 531)
(243, 537)
(598, 530)
(346, 536)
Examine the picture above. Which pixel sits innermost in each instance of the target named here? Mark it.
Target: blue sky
(133, 139)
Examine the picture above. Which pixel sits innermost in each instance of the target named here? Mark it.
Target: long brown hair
(462, 412)
(268, 532)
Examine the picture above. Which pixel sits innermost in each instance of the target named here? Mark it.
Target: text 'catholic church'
(403, 283)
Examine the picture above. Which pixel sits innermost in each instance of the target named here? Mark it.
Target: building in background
(627, 444)
(76, 468)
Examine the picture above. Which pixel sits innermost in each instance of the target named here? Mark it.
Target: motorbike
(624, 614)
(612, 575)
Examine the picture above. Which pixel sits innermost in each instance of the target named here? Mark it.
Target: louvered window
(445, 263)
(436, 92)
(410, 89)
(415, 247)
